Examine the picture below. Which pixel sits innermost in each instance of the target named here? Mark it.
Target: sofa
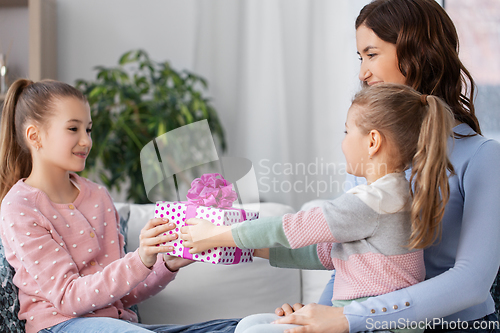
(203, 291)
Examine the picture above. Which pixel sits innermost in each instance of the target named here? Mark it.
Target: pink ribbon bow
(211, 191)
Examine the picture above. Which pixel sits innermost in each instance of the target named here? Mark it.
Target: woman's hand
(286, 309)
(201, 235)
(152, 236)
(316, 318)
(175, 263)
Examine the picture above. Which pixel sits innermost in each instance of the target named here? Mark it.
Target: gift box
(210, 198)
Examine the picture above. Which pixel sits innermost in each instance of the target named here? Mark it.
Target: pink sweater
(69, 258)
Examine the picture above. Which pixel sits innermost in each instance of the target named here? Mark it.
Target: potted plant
(133, 103)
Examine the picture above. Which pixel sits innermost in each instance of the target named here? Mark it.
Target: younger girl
(374, 234)
(60, 231)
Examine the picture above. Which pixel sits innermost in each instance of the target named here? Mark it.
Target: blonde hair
(418, 128)
(25, 102)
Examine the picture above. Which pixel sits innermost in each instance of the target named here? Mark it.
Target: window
(478, 27)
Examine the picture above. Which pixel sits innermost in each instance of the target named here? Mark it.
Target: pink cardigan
(69, 258)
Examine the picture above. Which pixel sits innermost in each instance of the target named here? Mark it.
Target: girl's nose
(85, 140)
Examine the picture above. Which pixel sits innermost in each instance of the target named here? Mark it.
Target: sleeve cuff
(259, 234)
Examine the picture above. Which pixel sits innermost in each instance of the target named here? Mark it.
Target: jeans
(112, 325)
(326, 296)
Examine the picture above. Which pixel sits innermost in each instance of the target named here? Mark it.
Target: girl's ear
(374, 143)
(33, 137)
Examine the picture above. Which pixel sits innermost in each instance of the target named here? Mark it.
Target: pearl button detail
(55, 217)
(22, 214)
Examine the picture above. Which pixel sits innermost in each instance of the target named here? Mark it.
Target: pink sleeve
(324, 251)
(306, 228)
(155, 282)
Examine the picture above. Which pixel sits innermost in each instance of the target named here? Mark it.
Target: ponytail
(15, 159)
(418, 127)
(26, 102)
(430, 191)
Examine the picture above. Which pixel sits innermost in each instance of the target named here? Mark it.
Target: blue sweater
(461, 267)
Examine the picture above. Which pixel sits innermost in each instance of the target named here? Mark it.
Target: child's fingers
(158, 240)
(155, 227)
(193, 221)
(185, 234)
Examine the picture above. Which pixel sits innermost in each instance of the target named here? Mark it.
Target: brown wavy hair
(417, 128)
(427, 50)
(26, 102)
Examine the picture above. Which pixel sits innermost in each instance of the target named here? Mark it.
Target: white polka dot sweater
(69, 258)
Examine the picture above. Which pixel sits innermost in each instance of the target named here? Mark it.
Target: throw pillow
(8, 297)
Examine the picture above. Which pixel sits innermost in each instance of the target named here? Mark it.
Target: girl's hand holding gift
(202, 235)
(175, 263)
(151, 239)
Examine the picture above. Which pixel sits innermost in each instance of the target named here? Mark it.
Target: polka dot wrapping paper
(176, 213)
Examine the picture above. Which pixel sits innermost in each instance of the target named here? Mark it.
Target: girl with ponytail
(374, 234)
(60, 232)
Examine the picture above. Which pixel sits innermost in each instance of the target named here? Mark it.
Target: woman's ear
(33, 137)
(374, 143)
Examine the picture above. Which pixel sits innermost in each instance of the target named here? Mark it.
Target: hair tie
(423, 99)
